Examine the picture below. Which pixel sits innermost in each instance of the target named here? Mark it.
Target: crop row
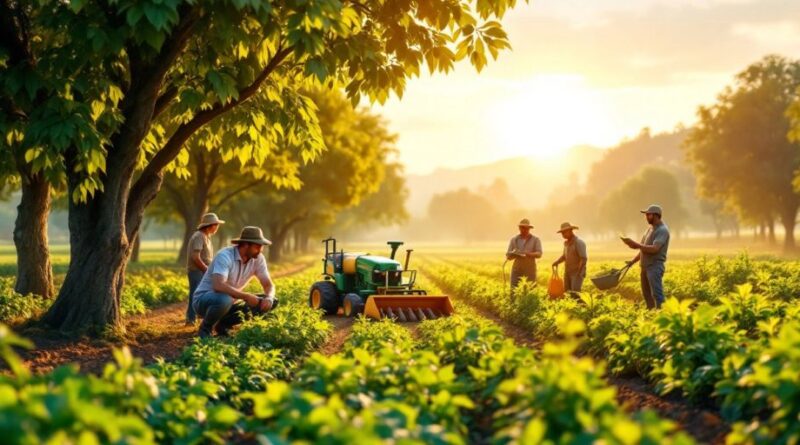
(705, 279)
(456, 381)
(460, 381)
(741, 352)
(199, 398)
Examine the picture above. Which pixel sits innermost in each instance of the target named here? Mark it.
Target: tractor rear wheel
(353, 305)
(324, 296)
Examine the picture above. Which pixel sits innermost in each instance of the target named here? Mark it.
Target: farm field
(718, 363)
(334, 222)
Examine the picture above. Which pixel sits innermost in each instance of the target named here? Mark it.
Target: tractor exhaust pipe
(408, 258)
(394, 245)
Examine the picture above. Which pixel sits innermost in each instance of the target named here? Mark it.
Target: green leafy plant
(294, 329)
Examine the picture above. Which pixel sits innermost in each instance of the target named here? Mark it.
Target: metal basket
(611, 278)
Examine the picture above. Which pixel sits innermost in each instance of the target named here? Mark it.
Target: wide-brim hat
(653, 208)
(566, 226)
(251, 234)
(209, 219)
(525, 223)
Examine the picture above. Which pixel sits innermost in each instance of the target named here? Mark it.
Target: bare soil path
(342, 326)
(158, 333)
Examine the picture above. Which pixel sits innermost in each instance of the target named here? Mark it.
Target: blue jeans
(195, 276)
(220, 312)
(653, 284)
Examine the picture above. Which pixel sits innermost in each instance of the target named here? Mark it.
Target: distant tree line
(737, 167)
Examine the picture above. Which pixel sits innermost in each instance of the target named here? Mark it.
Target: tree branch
(288, 225)
(146, 187)
(232, 194)
(138, 105)
(173, 146)
(137, 108)
(165, 100)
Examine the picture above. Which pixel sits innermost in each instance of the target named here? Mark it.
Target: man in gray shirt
(575, 258)
(524, 249)
(653, 255)
(199, 252)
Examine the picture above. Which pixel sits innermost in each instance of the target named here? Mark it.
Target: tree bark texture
(34, 271)
(103, 227)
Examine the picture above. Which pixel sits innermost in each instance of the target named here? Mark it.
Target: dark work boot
(204, 331)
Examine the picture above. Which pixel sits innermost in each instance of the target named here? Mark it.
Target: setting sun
(550, 113)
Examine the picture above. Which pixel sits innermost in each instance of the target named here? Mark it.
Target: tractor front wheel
(353, 305)
(324, 296)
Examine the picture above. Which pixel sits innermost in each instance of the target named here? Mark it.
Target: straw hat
(566, 226)
(654, 208)
(525, 223)
(209, 219)
(251, 234)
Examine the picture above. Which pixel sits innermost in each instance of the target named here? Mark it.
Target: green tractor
(376, 286)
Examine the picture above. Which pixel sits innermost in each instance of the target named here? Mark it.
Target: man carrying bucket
(524, 249)
(575, 258)
(653, 255)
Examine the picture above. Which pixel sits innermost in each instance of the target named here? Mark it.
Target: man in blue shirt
(653, 255)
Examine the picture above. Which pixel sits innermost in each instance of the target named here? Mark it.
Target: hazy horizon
(585, 73)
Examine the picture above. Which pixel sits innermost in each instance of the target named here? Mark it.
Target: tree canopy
(106, 95)
(620, 208)
(348, 172)
(740, 149)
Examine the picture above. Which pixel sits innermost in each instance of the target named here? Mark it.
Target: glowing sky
(587, 72)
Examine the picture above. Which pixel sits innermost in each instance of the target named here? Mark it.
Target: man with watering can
(524, 249)
(653, 255)
(574, 257)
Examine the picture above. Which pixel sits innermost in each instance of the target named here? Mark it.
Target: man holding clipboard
(524, 249)
(652, 254)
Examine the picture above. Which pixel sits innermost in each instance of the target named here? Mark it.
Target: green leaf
(77, 5)
(317, 68)
(223, 415)
(224, 86)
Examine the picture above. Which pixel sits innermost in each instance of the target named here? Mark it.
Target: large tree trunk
(191, 212)
(276, 249)
(191, 217)
(137, 248)
(789, 220)
(297, 246)
(89, 298)
(719, 224)
(34, 271)
(187, 234)
(101, 229)
(99, 250)
(771, 231)
(304, 242)
(278, 234)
